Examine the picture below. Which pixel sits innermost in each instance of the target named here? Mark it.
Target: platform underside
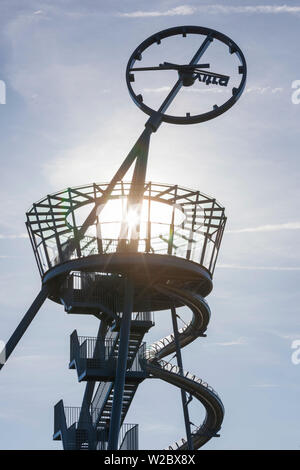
(102, 277)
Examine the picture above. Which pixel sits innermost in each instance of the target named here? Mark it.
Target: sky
(68, 120)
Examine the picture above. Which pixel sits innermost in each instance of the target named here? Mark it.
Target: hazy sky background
(68, 120)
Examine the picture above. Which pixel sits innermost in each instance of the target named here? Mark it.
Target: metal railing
(199, 431)
(93, 348)
(169, 367)
(80, 287)
(151, 353)
(137, 364)
(99, 399)
(192, 226)
(86, 287)
(72, 414)
(87, 347)
(128, 437)
(150, 357)
(143, 316)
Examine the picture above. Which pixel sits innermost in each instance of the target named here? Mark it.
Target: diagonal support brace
(25, 322)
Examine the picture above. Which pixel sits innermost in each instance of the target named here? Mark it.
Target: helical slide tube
(159, 368)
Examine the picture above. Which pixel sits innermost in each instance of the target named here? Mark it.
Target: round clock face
(186, 74)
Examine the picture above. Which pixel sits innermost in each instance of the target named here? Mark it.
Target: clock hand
(167, 66)
(186, 67)
(182, 68)
(197, 69)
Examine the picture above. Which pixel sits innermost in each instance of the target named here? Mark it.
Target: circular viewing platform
(173, 221)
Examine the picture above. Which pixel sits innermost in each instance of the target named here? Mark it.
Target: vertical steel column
(183, 393)
(136, 193)
(116, 412)
(137, 188)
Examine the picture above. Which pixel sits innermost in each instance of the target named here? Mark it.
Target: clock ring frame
(184, 30)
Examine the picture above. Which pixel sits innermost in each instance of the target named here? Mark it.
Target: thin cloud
(265, 385)
(185, 10)
(263, 90)
(291, 336)
(181, 10)
(161, 89)
(237, 342)
(268, 228)
(255, 89)
(165, 89)
(14, 236)
(263, 268)
(206, 90)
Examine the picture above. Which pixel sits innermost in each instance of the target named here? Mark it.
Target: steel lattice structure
(122, 250)
(53, 221)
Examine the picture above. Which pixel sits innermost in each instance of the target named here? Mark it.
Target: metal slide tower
(123, 250)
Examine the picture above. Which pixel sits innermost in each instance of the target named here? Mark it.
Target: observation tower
(122, 250)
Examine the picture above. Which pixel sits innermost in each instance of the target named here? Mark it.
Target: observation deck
(177, 241)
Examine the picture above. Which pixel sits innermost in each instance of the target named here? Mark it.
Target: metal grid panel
(190, 224)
